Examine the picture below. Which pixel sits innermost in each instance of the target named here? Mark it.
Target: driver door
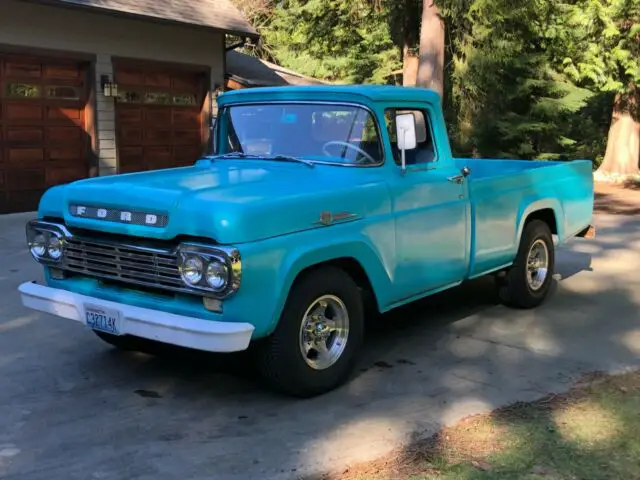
(431, 213)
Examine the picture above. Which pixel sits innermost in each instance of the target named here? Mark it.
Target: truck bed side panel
(503, 193)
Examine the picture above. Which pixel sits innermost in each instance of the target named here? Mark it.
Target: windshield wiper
(233, 155)
(289, 158)
(285, 158)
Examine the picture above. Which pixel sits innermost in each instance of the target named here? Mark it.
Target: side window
(425, 151)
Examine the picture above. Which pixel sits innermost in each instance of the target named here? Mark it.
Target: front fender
(325, 249)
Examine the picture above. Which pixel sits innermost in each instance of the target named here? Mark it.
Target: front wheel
(315, 344)
(527, 283)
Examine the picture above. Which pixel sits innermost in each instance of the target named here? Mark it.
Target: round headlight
(55, 248)
(192, 270)
(217, 275)
(38, 245)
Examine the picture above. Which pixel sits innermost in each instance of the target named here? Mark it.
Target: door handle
(464, 173)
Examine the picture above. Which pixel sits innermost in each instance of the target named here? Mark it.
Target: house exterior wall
(101, 37)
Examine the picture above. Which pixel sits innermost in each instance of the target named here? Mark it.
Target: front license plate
(102, 319)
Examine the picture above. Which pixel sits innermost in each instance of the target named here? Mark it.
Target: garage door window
(63, 93)
(23, 90)
(150, 97)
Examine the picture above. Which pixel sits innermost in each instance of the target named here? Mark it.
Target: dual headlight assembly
(209, 268)
(215, 270)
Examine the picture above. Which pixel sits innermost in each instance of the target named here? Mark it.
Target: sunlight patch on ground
(465, 347)
(631, 340)
(365, 440)
(461, 409)
(16, 323)
(539, 340)
(588, 423)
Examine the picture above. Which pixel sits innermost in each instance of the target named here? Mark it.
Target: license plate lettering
(102, 319)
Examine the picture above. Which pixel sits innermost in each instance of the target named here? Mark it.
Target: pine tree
(508, 101)
(338, 40)
(600, 49)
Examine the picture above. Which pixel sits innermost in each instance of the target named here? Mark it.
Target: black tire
(514, 289)
(280, 361)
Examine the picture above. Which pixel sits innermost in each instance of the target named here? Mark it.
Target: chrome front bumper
(207, 335)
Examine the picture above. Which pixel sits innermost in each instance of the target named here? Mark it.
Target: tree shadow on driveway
(75, 407)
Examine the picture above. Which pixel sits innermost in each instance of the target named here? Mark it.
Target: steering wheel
(349, 145)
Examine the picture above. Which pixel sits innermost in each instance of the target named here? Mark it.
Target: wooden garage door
(158, 118)
(42, 128)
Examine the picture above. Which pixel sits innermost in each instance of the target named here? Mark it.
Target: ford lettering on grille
(133, 217)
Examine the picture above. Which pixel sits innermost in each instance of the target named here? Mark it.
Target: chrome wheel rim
(324, 332)
(537, 265)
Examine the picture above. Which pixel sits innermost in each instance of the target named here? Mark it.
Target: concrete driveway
(72, 408)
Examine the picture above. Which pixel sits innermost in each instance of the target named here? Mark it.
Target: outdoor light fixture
(109, 89)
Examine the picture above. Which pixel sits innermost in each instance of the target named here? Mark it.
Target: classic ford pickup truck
(316, 206)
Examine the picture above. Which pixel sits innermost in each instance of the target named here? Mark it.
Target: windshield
(320, 133)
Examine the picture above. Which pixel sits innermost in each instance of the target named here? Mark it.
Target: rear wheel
(314, 347)
(527, 283)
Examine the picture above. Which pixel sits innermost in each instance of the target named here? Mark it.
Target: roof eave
(253, 34)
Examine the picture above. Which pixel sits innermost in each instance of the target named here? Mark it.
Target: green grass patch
(592, 432)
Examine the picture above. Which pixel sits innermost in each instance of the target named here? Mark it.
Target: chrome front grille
(126, 263)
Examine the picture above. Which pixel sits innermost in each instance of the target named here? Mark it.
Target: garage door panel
(187, 82)
(159, 157)
(25, 156)
(157, 116)
(25, 179)
(25, 135)
(64, 134)
(157, 137)
(158, 111)
(186, 137)
(65, 154)
(23, 112)
(131, 154)
(128, 114)
(186, 154)
(129, 77)
(17, 69)
(157, 80)
(23, 200)
(184, 117)
(131, 167)
(65, 115)
(130, 136)
(58, 175)
(62, 72)
(42, 104)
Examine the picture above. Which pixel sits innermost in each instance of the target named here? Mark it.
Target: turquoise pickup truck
(318, 207)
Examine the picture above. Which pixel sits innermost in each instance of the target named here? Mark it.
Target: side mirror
(406, 132)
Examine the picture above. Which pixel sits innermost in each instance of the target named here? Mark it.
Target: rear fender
(530, 206)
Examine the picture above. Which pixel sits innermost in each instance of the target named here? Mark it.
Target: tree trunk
(409, 69)
(431, 68)
(623, 143)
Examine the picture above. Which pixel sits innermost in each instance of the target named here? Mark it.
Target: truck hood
(228, 201)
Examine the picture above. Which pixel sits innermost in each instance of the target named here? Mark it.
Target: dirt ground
(617, 199)
(580, 432)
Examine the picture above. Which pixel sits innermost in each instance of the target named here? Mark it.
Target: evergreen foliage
(534, 79)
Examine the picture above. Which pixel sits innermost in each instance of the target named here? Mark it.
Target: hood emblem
(328, 218)
(131, 217)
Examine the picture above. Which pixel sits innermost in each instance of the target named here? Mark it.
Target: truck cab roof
(375, 93)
